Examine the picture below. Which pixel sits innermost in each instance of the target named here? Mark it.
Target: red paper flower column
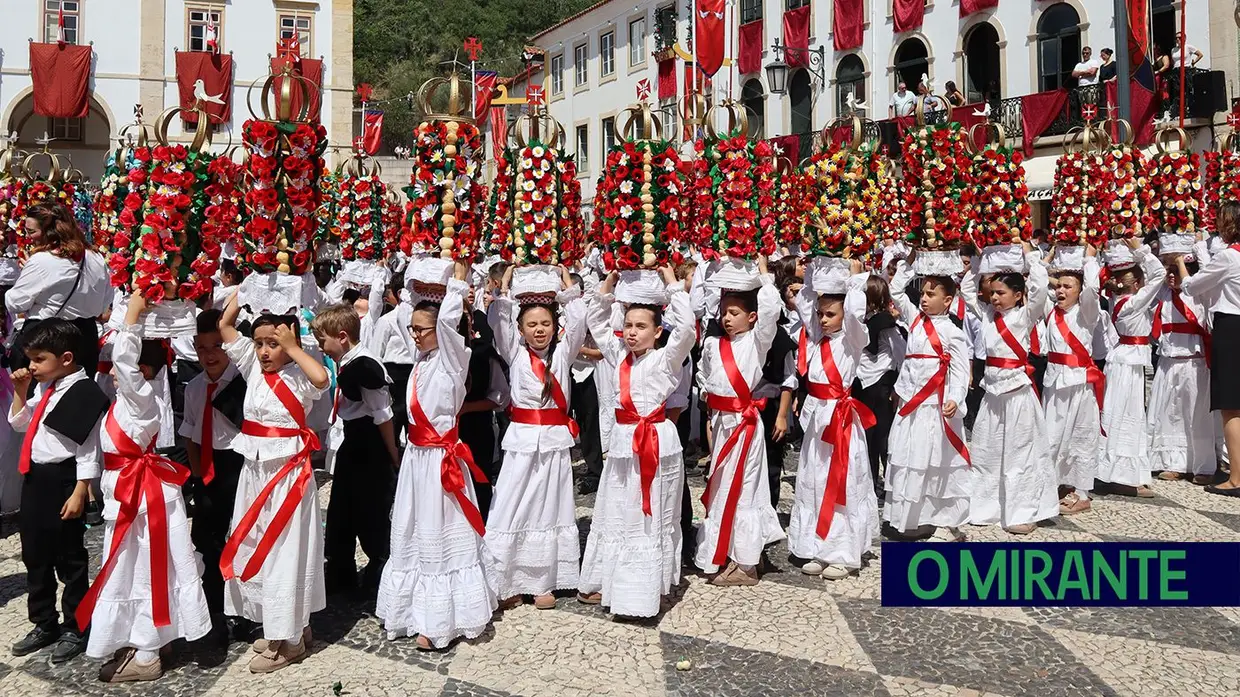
(997, 201)
(733, 173)
(1175, 186)
(937, 172)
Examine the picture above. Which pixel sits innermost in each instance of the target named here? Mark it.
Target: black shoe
(70, 646)
(37, 638)
(587, 486)
(241, 629)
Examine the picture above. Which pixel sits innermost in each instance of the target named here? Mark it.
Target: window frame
(582, 154)
(1042, 38)
(556, 68)
(581, 65)
(607, 56)
(751, 11)
(798, 4)
(208, 10)
(607, 126)
(840, 83)
(637, 49)
(307, 47)
(69, 125)
(51, 19)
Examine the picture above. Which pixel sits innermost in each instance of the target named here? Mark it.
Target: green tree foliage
(398, 44)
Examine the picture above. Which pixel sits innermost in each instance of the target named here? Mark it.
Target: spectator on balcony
(1086, 72)
(954, 96)
(902, 102)
(1189, 52)
(1106, 71)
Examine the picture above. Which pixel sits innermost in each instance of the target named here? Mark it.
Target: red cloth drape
(708, 35)
(312, 70)
(787, 146)
(216, 72)
(499, 128)
(1143, 107)
(1138, 31)
(968, 7)
(749, 56)
(60, 74)
(484, 91)
(964, 116)
(372, 131)
(796, 35)
(1037, 112)
(907, 15)
(667, 79)
(848, 17)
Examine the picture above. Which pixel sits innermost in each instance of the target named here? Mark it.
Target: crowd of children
(922, 402)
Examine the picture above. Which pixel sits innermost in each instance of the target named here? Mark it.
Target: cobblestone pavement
(790, 635)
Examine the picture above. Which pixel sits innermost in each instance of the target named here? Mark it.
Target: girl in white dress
(928, 474)
(532, 527)
(633, 552)
(1014, 483)
(1123, 451)
(834, 510)
(1072, 401)
(149, 591)
(273, 561)
(740, 520)
(435, 585)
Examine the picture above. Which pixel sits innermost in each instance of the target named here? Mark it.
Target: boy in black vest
(59, 458)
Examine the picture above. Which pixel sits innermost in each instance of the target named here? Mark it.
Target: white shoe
(812, 568)
(945, 535)
(835, 572)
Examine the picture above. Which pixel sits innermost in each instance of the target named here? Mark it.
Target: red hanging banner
(708, 35)
(484, 90)
(312, 70)
(849, 24)
(1138, 31)
(215, 72)
(667, 79)
(749, 53)
(60, 73)
(1037, 112)
(907, 15)
(1143, 107)
(796, 36)
(372, 131)
(499, 129)
(968, 7)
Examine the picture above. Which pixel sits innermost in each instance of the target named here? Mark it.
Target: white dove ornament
(201, 96)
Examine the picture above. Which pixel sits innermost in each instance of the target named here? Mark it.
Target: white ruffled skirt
(927, 480)
(854, 525)
(289, 587)
(1072, 431)
(123, 615)
(633, 559)
(532, 527)
(435, 583)
(1179, 422)
(1013, 480)
(1123, 450)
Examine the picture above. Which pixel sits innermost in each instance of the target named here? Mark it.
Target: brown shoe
(545, 601)
(1170, 476)
(125, 667)
(260, 645)
(1203, 479)
(590, 598)
(279, 655)
(1021, 529)
(510, 603)
(1080, 505)
(734, 575)
(1144, 492)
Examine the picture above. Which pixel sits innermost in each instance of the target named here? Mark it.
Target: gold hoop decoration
(1230, 143)
(53, 160)
(783, 166)
(202, 129)
(990, 127)
(854, 122)
(540, 126)
(281, 109)
(1129, 136)
(458, 108)
(1182, 141)
(738, 120)
(640, 123)
(693, 113)
(920, 112)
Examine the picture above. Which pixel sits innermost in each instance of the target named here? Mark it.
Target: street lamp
(814, 60)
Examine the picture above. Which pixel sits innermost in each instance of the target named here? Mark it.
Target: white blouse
(1020, 322)
(1133, 314)
(439, 375)
(264, 407)
(47, 280)
(1082, 320)
(137, 410)
(846, 346)
(916, 373)
(748, 350)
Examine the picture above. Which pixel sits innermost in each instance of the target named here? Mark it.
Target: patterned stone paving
(791, 635)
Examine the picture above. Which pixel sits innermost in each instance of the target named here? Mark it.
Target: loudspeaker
(1209, 94)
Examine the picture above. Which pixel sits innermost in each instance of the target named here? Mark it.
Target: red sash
(1123, 339)
(936, 385)
(645, 436)
(142, 473)
(1079, 358)
(1190, 325)
(552, 416)
(451, 477)
(299, 463)
(750, 410)
(839, 434)
(104, 367)
(206, 451)
(1022, 356)
(802, 354)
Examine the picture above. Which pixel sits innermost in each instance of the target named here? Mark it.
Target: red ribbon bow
(937, 383)
(645, 435)
(451, 477)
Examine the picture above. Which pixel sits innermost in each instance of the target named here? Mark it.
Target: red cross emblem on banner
(534, 95)
(359, 144)
(473, 47)
(289, 48)
(1233, 120)
(1089, 112)
(643, 89)
(365, 91)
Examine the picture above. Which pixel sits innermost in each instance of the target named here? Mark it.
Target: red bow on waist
(142, 474)
(451, 477)
(936, 385)
(645, 435)
(839, 434)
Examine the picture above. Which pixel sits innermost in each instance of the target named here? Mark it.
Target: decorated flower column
(844, 187)
(997, 201)
(1176, 200)
(732, 176)
(937, 169)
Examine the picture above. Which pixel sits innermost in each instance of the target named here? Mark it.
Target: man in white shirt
(902, 102)
(1086, 72)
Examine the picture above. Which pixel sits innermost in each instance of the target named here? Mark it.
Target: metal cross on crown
(534, 95)
(473, 47)
(1233, 120)
(1089, 112)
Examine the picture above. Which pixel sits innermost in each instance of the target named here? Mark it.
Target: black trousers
(52, 547)
(399, 372)
(973, 400)
(363, 487)
(213, 509)
(878, 398)
(585, 413)
(478, 434)
(184, 371)
(774, 449)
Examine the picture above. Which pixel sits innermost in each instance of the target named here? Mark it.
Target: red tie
(23, 465)
(207, 437)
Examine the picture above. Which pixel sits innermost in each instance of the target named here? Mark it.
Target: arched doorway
(1163, 24)
(1059, 46)
(85, 142)
(801, 98)
(912, 62)
(981, 63)
(754, 101)
(849, 79)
